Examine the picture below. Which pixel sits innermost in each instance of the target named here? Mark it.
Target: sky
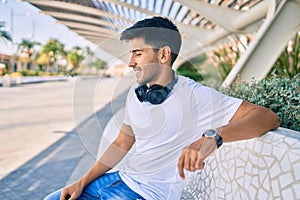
(25, 21)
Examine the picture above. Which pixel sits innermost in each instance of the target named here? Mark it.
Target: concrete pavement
(73, 151)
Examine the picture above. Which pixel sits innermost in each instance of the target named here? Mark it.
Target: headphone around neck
(155, 94)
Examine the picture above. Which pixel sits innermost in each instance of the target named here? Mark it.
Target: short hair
(157, 32)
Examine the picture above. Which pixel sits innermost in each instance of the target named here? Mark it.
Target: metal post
(12, 24)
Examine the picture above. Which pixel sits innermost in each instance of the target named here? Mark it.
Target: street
(34, 116)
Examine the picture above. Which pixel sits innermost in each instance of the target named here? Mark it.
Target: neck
(166, 76)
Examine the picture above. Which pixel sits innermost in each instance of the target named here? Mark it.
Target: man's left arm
(249, 121)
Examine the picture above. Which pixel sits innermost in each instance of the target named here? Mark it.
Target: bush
(26, 72)
(195, 75)
(281, 95)
(188, 68)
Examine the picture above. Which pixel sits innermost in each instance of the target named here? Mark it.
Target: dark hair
(157, 32)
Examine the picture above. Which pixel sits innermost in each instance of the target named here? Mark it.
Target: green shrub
(27, 72)
(195, 75)
(73, 73)
(40, 73)
(281, 95)
(188, 68)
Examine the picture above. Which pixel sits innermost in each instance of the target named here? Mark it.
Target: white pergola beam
(198, 34)
(93, 39)
(255, 14)
(88, 27)
(216, 14)
(268, 43)
(227, 18)
(131, 6)
(237, 21)
(82, 19)
(77, 8)
(91, 33)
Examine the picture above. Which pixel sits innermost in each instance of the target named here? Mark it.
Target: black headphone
(155, 94)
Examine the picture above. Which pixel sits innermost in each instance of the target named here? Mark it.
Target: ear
(164, 55)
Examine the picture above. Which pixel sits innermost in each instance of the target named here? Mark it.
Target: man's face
(144, 61)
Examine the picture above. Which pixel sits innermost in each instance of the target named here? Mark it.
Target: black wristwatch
(212, 133)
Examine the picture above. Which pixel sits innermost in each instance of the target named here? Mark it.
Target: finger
(180, 167)
(63, 195)
(200, 163)
(186, 163)
(193, 160)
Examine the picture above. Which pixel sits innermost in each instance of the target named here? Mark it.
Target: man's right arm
(111, 157)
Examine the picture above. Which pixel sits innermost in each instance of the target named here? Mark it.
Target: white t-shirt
(162, 131)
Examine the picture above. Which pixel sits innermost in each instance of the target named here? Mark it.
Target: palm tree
(51, 50)
(4, 34)
(75, 56)
(27, 47)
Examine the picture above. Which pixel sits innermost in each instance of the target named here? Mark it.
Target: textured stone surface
(260, 168)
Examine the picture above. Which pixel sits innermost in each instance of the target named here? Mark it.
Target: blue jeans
(107, 187)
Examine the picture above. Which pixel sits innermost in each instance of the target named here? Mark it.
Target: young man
(171, 122)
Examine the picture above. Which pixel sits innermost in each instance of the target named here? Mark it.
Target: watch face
(210, 133)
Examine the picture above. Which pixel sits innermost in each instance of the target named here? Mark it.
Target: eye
(138, 54)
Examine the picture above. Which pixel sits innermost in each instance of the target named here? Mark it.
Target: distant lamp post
(12, 18)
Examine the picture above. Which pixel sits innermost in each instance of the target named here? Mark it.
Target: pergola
(204, 25)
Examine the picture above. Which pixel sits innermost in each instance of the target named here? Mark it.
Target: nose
(132, 63)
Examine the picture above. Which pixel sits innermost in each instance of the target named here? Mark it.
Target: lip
(137, 72)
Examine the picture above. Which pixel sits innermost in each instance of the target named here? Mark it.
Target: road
(34, 116)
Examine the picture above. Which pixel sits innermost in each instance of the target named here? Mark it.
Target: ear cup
(141, 92)
(156, 94)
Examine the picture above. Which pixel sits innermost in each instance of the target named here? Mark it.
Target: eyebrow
(135, 50)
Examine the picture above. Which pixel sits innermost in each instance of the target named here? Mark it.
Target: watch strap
(219, 140)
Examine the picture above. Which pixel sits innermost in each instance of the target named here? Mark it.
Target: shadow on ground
(62, 162)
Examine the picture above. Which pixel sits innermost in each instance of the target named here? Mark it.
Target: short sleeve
(212, 109)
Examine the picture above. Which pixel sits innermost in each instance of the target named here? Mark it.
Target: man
(171, 124)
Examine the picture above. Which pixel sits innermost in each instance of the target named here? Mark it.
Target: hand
(192, 157)
(71, 192)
